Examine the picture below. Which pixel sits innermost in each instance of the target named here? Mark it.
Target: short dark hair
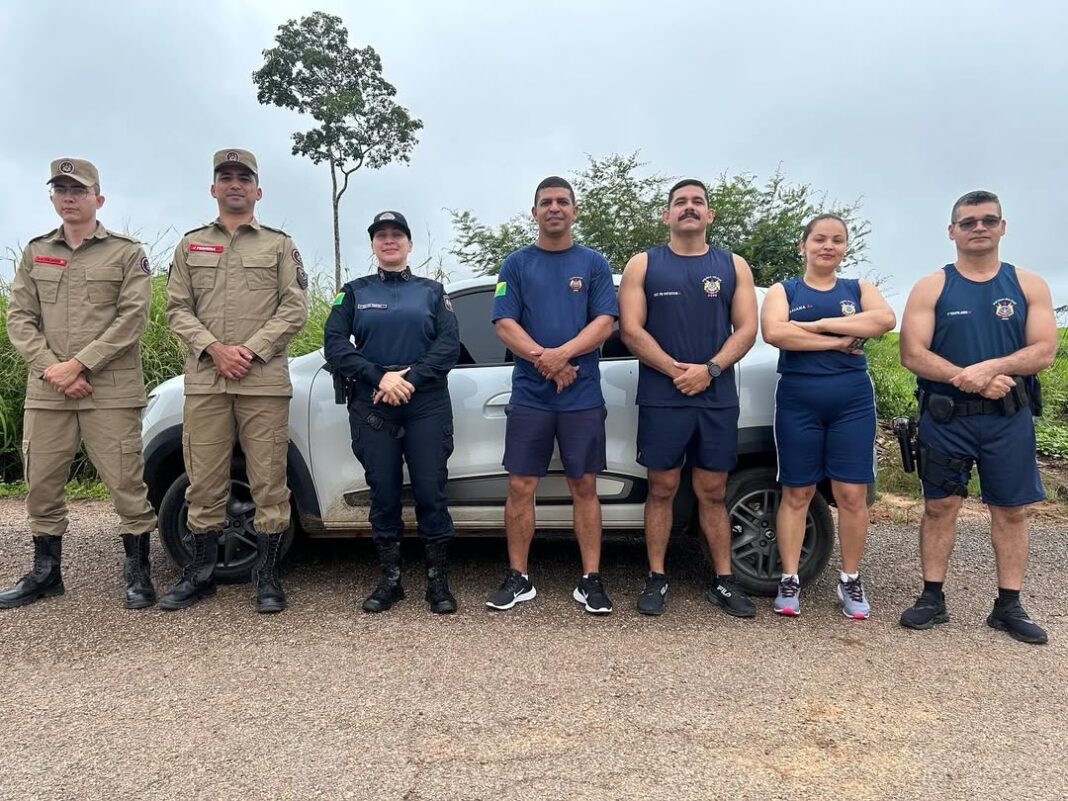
(818, 218)
(686, 182)
(554, 182)
(973, 199)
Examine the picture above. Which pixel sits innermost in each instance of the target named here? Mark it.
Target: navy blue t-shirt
(808, 305)
(976, 321)
(688, 313)
(553, 295)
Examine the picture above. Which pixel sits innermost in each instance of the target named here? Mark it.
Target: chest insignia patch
(848, 307)
(575, 283)
(198, 247)
(1005, 308)
(50, 260)
(711, 284)
(362, 306)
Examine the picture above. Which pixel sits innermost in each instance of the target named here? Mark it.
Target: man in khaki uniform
(79, 302)
(235, 296)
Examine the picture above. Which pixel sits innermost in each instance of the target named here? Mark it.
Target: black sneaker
(590, 593)
(725, 593)
(515, 589)
(1011, 617)
(926, 612)
(651, 600)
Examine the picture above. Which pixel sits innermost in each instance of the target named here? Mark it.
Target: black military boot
(43, 580)
(389, 589)
(198, 577)
(137, 572)
(437, 579)
(270, 597)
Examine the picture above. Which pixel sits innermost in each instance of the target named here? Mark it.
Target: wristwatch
(714, 370)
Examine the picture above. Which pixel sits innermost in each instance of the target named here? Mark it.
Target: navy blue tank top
(808, 305)
(688, 312)
(976, 321)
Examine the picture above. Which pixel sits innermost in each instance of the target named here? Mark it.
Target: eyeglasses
(79, 192)
(969, 223)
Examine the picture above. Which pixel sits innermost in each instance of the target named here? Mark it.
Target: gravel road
(544, 702)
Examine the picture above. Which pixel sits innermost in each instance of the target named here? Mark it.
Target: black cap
(384, 218)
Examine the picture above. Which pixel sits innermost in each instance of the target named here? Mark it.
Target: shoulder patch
(501, 290)
(448, 302)
(145, 268)
(302, 278)
(339, 298)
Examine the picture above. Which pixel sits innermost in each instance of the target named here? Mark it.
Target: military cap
(386, 218)
(79, 170)
(234, 155)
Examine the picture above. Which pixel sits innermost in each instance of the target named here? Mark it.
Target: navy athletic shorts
(530, 434)
(667, 435)
(825, 427)
(1002, 447)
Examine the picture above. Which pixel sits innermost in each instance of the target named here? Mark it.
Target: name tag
(362, 306)
(197, 247)
(50, 260)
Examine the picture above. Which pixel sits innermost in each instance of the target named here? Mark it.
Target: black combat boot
(270, 597)
(198, 577)
(437, 578)
(389, 589)
(137, 571)
(44, 580)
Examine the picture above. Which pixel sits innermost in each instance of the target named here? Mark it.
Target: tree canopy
(313, 70)
(620, 208)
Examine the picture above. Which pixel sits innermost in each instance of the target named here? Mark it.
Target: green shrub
(894, 385)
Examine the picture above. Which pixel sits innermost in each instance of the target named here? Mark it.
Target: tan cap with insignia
(80, 170)
(234, 155)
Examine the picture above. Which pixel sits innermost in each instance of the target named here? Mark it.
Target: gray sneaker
(854, 602)
(788, 598)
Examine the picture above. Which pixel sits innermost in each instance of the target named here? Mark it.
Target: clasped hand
(394, 389)
(553, 364)
(692, 378)
(231, 361)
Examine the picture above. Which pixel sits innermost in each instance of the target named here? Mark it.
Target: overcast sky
(905, 105)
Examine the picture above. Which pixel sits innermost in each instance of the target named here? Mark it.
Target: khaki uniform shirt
(90, 304)
(246, 289)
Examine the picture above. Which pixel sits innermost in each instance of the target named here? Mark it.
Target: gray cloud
(905, 105)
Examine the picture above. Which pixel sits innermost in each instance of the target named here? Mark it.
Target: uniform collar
(403, 275)
(254, 225)
(57, 235)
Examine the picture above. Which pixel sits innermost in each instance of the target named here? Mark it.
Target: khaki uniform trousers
(112, 439)
(261, 423)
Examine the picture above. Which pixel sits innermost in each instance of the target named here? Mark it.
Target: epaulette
(127, 237)
(276, 230)
(199, 228)
(44, 236)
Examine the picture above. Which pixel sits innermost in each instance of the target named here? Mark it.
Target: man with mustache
(554, 307)
(235, 296)
(975, 333)
(688, 311)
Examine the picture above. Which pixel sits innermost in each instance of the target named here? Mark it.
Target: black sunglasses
(969, 223)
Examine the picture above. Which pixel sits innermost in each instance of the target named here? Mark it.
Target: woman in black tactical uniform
(393, 338)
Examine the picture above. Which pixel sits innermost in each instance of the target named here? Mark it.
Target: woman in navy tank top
(824, 405)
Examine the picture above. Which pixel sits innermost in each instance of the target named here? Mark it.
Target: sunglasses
(969, 223)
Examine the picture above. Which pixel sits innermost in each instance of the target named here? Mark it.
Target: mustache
(689, 213)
